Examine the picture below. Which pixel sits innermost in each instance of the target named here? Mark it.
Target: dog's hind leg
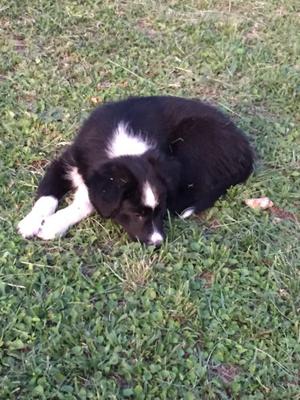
(54, 185)
(205, 200)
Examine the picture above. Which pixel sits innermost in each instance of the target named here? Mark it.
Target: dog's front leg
(56, 225)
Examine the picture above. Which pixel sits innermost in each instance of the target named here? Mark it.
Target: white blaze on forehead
(149, 198)
(125, 143)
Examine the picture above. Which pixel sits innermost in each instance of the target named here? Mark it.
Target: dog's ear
(108, 186)
(167, 168)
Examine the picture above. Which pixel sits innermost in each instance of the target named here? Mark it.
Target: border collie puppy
(134, 159)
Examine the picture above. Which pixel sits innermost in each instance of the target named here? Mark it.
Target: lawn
(214, 314)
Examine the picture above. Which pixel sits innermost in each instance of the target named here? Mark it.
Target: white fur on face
(56, 225)
(31, 224)
(125, 143)
(187, 212)
(156, 238)
(148, 197)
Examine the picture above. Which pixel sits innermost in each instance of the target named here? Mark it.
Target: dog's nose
(155, 239)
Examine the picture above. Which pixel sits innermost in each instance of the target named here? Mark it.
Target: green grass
(214, 314)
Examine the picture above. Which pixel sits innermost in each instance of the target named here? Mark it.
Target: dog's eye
(142, 213)
(139, 215)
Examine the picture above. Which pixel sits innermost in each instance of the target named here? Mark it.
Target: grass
(214, 314)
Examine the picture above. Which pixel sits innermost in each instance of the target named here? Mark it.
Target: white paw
(187, 212)
(53, 227)
(30, 225)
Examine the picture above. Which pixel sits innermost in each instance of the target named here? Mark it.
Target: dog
(134, 159)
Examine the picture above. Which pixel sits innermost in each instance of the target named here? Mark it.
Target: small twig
(114, 272)
(128, 70)
(39, 265)
(15, 286)
(230, 110)
(275, 361)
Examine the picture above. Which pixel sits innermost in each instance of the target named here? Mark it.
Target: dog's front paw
(30, 225)
(53, 227)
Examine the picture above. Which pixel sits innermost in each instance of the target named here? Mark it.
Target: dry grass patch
(134, 273)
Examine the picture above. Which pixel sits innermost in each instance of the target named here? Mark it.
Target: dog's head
(133, 191)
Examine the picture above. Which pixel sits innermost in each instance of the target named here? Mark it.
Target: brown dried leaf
(281, 214)
(103, 85)
(37, 165)
(19, 45)
(226, 372)
(208, 278)
(261, 203)
(95, 100)
(146, 28)
(283, 293)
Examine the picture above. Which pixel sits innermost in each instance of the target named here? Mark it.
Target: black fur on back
(199, 150)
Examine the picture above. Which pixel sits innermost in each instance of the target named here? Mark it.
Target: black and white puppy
(134, 159)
